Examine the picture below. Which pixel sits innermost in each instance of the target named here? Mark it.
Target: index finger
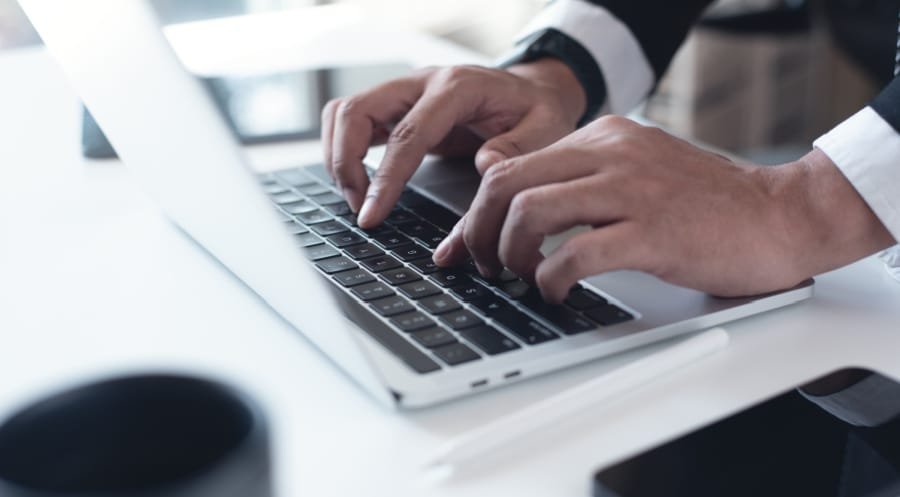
(355, 123)
(425, 126)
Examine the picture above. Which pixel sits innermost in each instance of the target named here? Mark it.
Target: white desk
(93, 282)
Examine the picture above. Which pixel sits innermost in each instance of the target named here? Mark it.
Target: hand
(660, 205)
(450, 111)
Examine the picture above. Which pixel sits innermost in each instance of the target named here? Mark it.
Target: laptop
(408, 333)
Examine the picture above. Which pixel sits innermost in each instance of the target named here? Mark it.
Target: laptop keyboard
(447, 317)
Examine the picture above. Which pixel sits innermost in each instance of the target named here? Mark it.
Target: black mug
(138, 436)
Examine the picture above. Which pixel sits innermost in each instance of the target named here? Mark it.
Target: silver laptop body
(166, 128)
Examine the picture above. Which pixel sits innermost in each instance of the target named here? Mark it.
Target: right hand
(493, 114)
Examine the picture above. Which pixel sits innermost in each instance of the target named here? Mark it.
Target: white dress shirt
(864, 147)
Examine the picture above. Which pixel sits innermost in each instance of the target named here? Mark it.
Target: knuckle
(350, 107)
(454, 78)
(524, 206)
(613, 121)
(403, 133)
(384, 178)
(496, 177)
(341, 167)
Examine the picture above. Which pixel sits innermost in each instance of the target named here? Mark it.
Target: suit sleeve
(631, 41)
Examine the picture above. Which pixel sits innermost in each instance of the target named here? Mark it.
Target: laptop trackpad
(452, 182)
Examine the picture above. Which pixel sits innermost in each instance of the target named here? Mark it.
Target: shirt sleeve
(866, 148)
(626, 70)
(873, 401)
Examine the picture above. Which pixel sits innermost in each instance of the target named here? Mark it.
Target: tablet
(786, 446)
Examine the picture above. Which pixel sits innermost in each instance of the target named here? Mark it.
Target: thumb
(534, 132)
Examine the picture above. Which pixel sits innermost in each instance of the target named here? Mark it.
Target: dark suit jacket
(866, 29)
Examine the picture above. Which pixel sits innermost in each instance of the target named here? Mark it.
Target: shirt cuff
(872, 402)
(626, 70)
(867, 151)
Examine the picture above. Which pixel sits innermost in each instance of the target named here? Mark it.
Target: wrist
(825, 223)
(557, 78)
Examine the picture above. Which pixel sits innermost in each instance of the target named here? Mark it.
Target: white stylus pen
(550, 411)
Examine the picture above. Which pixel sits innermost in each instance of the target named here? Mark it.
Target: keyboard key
(419, 290)
(490, 305)
(345, 239)
(353, 278)
(489, 340)
(420, 229)
(432, 241)
(349, 220)
(372, 291)
(319, 172)
(410, 198)
(285, 197)
(363, 251)
(307, 239)
(400, 216)
(449, 278)
(523, 326)
(433, 337)
(319, 252)
(469, 267)
(582, 299)
(327, 198)
(336, 265)
(329, 228)
(435, 214)
(314, 217)
(341, 209)
(467, 292)
(515, 289)
(312, 189)
(456, 353)
(381, 229)
(439, 304)
(272, 188)
(460, 320)
(400, 276)
(294, 228)
(300, 207)
(412, 321)
(392, 306)
(391, 240)
(505, 276)
(425, 266)
(293, 176)
(608, 315)
(380, 263)
(563, 318)
(408, 253)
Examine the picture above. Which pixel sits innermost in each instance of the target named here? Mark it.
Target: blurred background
(760, 78)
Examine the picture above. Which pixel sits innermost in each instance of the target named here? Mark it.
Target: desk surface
(94, 282)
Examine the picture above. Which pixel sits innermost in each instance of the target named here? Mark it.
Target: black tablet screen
(787, 446)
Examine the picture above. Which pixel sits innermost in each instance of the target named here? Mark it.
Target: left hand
(659, 205)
